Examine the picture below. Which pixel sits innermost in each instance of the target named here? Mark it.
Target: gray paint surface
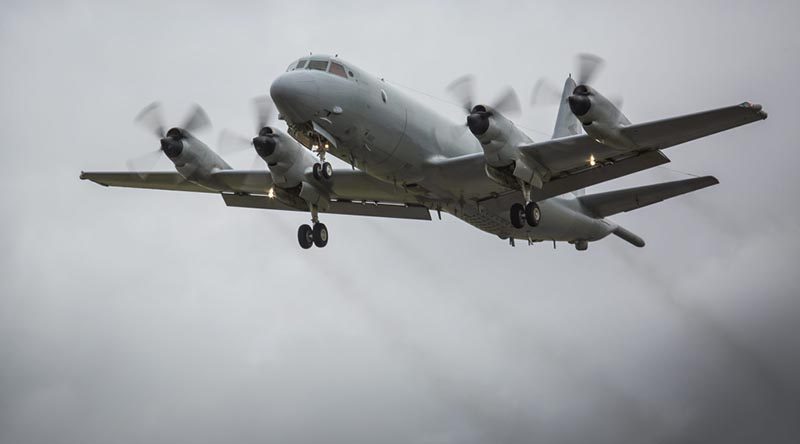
(155, 316)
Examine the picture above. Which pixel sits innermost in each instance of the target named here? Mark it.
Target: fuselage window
(337, 69)
(321, 65)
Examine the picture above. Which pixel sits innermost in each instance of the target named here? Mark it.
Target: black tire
(533, 215)
(316, 170)
(327, 170)
(305, 236)
(320, 235)
(517, 215)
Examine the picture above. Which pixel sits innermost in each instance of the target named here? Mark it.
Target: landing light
(271, 193)
(591, 160)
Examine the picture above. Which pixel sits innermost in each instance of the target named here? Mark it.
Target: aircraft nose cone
(296, 95)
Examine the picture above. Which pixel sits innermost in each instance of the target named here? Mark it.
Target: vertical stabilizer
(566, 122)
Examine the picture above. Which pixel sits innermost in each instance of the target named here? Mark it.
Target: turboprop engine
(287, 160)
(498, 135)
(193, 159)
(601, 119)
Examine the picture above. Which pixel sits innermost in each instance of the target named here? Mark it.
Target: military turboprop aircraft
(408, 160)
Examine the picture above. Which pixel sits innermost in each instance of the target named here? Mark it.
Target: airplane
(407, 160)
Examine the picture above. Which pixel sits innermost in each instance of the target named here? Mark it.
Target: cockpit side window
(300, 64)
(337, 69)
(321, 65)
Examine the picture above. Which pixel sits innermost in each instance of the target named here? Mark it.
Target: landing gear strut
(308, 236)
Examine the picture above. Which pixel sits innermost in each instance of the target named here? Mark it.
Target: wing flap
(336, 207)
(613, 202)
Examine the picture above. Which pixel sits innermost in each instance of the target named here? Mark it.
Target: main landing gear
(308, 236)
(322, 171)
(529, 213)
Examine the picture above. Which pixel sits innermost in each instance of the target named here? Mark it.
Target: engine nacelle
(600, 118)
(286, 159)
(193, 159)
(499, 137)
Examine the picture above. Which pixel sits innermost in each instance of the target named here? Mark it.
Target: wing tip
(757, 108)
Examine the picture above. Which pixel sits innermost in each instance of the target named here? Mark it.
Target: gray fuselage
(375, 127)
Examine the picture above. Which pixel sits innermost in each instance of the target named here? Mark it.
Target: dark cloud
(130, 316)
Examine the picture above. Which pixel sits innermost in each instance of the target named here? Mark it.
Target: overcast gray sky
(132, 316)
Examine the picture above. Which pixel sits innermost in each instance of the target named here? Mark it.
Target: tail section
(613, 202)
(566, 122)
(628, 236)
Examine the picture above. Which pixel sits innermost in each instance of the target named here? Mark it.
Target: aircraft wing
(613, 202)
(568, 154)
(156, 180)
(345, 184)
(469, 173)
(350, 191)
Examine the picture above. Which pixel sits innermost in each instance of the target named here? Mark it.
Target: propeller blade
(152, 119)
(144, 164)
(545, 93)
(196, 120)
(463, 90)
(231, 142)
(264, 110)
(588, 66)
(508, 103)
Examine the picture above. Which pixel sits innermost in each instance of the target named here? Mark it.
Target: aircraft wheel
(316, 170)
(581, 245)
(305, 236)
(320, 235)
(533, 214)
(327, 170)
(517, 215)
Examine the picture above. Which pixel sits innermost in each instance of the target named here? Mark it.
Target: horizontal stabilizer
(629, 237)
(613, 202)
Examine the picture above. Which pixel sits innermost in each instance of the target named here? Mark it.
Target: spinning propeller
(579, 101)
(264, 142)
(463, 90)
(151, 117)
(587, 67)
